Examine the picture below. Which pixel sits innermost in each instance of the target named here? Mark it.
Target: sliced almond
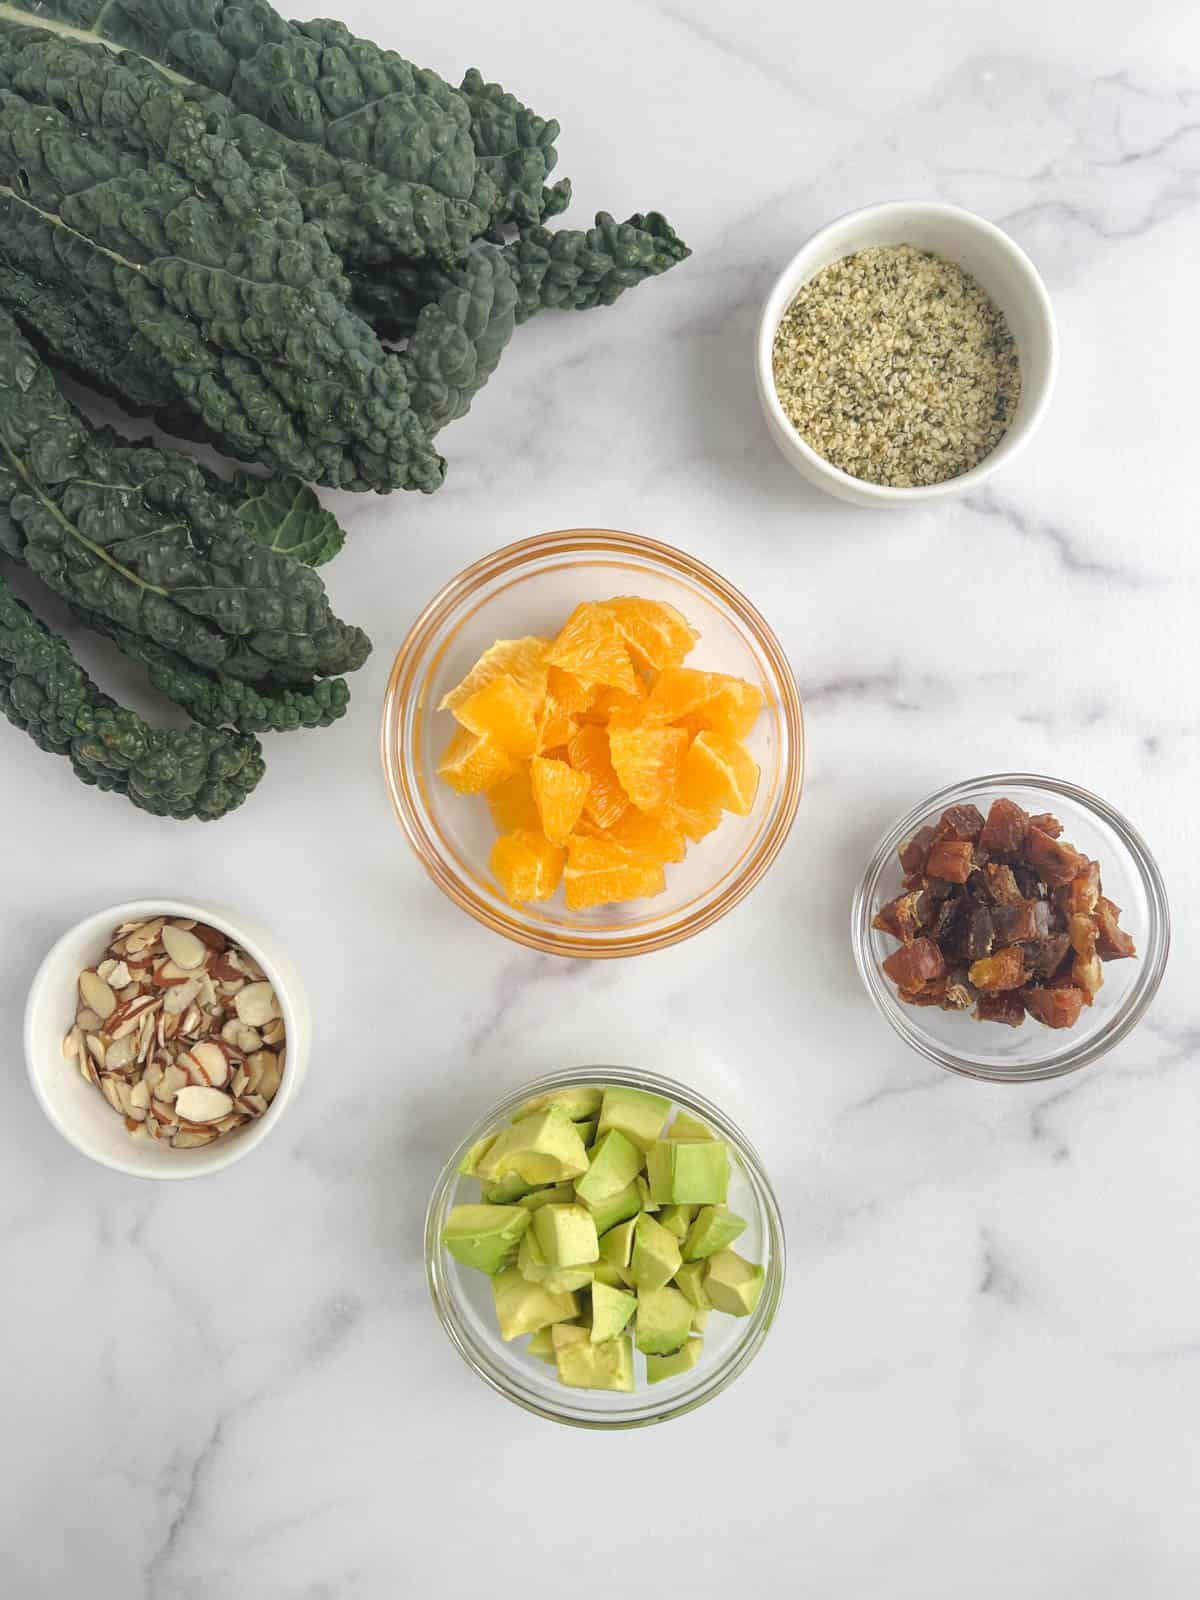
(143, 936)
(96, 1048)
(87, 1069)
(96, 994)
(239, 1082)
(129, 1017)
(73, 1043)
(212, 1062)
(184, 949)
(256, 1004)
(108, 1088)
(87, 1019)
(268, 1083)
(192, 1138)
(254, 1104)
(197, 1103)
(209, 936)
(178, 999)
(120, 1054)
(119, 976)
(105, 969)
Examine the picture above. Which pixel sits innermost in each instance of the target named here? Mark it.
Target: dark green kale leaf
(172, 773)
(285, 515)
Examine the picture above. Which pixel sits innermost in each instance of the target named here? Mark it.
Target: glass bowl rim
(404, 790)
(1131, 1009)
(715, 1377)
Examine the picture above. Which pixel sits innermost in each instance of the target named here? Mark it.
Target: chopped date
(1004, 831)
(1007, 1007)
(1056, 1008)
(1057, 863)
(1112, 942)
(914, 851)
(950, 859)
(915, 964)
(1003, 915)
(1004, 970)
(960, 822)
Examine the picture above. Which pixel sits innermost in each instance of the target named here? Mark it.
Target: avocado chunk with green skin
(611, 1310)
(567, 1235)
(687, 1127)
(617, 1244)
(689, 1280)
(681, 1360)
(655, 1259)
(524, 1307)
(580, 1103)
(471, 1160)
(608, 1213)
(565, 1333)
(614, 1164)
(638, 1115)
(732, 1284)
(505, 1191)
(541, 1345)
(714, 1228)
(648, 1202)
(559, 1194)
(598, 1366)
(664, 1321)
(486, 1237)
(678, 1219)
(542, 1148)
(688, 1172)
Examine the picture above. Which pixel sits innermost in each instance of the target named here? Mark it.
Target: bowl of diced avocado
(604, 1248)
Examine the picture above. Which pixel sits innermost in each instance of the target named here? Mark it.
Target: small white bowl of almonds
(162, 1040)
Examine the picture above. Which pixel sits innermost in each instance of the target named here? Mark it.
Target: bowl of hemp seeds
(906, 352)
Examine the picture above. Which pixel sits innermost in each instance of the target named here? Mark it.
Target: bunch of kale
(219, 216)
(271, 237)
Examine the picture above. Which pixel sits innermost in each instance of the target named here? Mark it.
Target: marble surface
(985, 1377)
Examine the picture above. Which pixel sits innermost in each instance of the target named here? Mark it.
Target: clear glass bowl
(1022, 1055)
(531, 588)
(462, 1296)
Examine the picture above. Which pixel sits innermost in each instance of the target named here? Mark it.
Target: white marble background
(986, 1376)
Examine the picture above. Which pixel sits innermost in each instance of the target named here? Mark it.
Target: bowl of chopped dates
(1014, 927)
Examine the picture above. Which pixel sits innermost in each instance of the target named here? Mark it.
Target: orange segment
(523, 659)
(505, 712)
(648, 838)
(472, 763)
(725, 704)
(558, 794)
(722, 771)
(526, 865)
(592, 646)
(689, 811)
(655, 633)
(600, 872)
(588, 753)
(647, 761)
(511, 803)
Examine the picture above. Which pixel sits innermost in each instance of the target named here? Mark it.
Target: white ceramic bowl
(1001, 268)
(78, 1110)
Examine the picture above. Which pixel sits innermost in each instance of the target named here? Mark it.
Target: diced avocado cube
(646, 1199)
(681, 1360)
(579, 1103)
(541, 1345)
(664, 1320)
(688, 1172)
(686, 1127)
(558, 1194)
(531, 1259)
(732, 1284)
(569, 1278)
(617, 1244)
(677, 1219)
(611, 1310)
(714, 1228)
(567, 1235)
(689, 1280)
(564, 1333)
(486, 1237)
(607, 1213)
(613, 1165)
(587, 1131)
(700, 1319)
(505, 1191)
(542, 1148)
(655, 1259)
(604, 1272)
(598, 1366)
(469, 1162)
(638, 1115)
(523, 1307)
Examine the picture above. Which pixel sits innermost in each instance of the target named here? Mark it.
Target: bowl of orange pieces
(593, 742)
